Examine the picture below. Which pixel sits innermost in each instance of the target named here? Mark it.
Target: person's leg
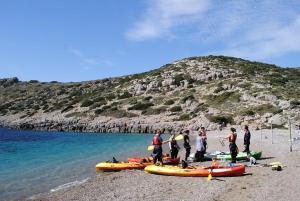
(201, 156)
(160, 155)
(172, 153)
(247, 148)
(197, 156)
(187, 153)
(176, 153)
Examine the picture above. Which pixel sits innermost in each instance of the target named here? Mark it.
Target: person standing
(174, 148)
(204, 136)
(200, 148)
(186, 144)
(232, 144)
(247, 137)
(157, 141)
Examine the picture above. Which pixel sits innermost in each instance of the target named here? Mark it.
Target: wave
(68, 185)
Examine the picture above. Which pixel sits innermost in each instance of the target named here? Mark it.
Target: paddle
(178, 137)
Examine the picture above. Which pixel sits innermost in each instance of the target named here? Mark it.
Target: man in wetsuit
(157, 141)
(186, 144)
(247, 137)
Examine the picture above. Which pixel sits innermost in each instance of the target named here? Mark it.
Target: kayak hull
(197, 171)
(227, 156)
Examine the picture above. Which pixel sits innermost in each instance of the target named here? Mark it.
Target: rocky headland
(210, 91)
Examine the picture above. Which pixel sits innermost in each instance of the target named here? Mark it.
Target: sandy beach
(259, 183)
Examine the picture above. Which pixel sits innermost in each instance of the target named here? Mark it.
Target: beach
(258, 183)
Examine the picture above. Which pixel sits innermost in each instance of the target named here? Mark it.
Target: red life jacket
(232, 138)
(156, 140)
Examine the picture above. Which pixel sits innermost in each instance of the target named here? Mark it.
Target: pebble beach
(258, 183)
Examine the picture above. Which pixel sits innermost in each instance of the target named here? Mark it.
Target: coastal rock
(277, 120)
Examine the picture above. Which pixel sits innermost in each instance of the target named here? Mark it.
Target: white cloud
(162, 15)
(88, 63)
(253, 29)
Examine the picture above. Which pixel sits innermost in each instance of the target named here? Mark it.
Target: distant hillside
(191, 92)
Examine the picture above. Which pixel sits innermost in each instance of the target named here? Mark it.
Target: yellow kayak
(109, 166)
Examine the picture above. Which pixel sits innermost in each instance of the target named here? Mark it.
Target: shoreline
(258, 184)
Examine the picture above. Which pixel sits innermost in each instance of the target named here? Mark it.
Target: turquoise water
(36, 162)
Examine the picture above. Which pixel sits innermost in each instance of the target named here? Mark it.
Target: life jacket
(232, 138)
(156, 140)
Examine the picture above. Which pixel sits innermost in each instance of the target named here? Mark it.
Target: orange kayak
(197, 171)
(166, 160)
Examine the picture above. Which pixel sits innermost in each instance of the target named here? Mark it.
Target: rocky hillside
(195, 91)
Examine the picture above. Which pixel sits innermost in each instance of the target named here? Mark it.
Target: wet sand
(259, 183)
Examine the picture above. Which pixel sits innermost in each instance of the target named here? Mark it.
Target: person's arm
(226, 138)
(170, 146)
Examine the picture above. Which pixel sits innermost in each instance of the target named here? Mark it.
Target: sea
(33, 162)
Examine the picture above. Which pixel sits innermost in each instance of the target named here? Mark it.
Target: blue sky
(75, 40)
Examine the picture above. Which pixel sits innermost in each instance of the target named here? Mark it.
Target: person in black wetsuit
(174, 148)
(186, 144)
(157, 141)
(202, 132)
(247, 137)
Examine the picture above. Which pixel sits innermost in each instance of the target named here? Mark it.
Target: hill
(191, 92)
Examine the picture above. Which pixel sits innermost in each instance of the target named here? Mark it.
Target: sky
(77, 40)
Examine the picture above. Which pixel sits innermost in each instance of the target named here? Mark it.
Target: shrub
(154, 111)
(169, 102)
(218, 89)
(189, 97)
(140, 106)
(68, 108)
(110, 96)
(86, 103)
(176, 109)
(247, 113)
(147, 98)
(267, 108)
(221, 119)
(295, 103)
(126, 94)
(222, 98)
(178, 78)
(184, 117)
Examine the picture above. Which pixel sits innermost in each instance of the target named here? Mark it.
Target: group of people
(201, 145)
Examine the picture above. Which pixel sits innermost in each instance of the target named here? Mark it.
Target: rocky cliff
(208, 91)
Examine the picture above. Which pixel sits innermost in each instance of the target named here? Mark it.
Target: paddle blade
(209, 177)
(179, 137)
(150, 147)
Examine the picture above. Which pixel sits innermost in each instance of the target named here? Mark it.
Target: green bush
(222, 98)
(147, 98)
(189, 97)
(295, 103)
(184, 117)
(178, 78)
(266, 108)
(169, 102)
(247, 113)
(221, 119)
(68, 108)
(153, 111)
(110, 96)
(141, 106)
(126, 94)
(218, 89)
(86, 103)
(176, 109)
